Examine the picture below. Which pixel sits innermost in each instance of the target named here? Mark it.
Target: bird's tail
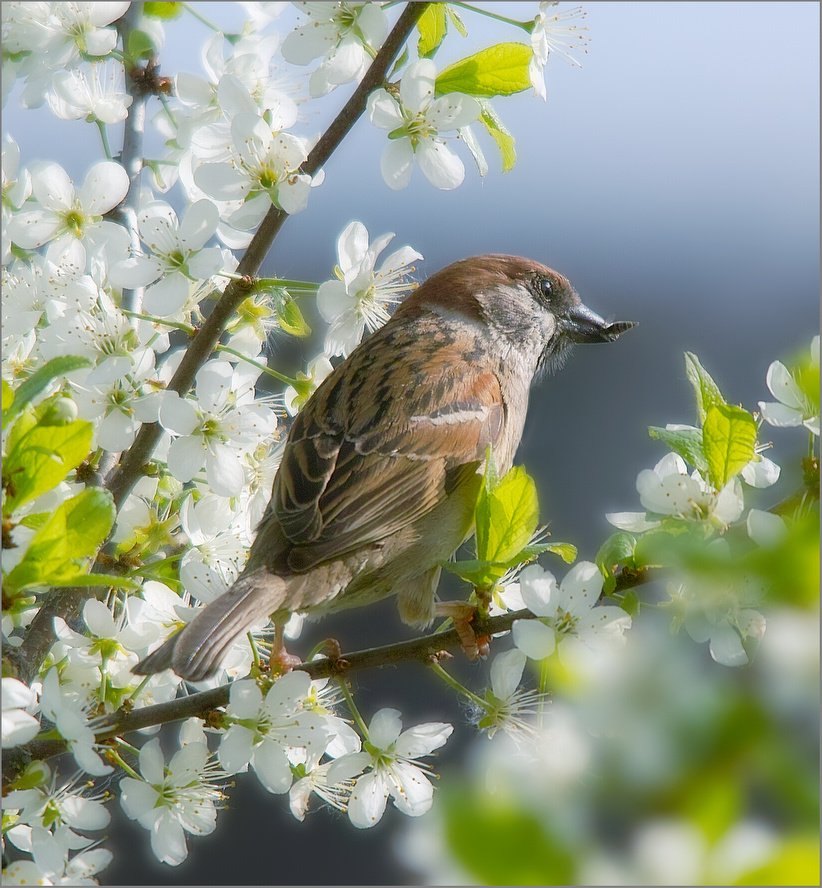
(194, 653)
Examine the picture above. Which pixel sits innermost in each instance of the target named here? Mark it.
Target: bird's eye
(545, 287)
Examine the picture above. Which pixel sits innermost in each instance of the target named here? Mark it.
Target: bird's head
(525, 306)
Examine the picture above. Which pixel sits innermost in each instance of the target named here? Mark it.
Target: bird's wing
(356, 469)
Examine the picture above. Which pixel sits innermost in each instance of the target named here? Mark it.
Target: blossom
(51, 864)
(172, 800)
(415, 120)
(212, 431)
(72, 721)
(16, 190)
(307, 383)
(506, 704)
(264, 727)
(569, 622)
(71, 221)
(94, 94)
(390, 755)
(347, 35)
(557, 33)
(262, 170)
(19, 725)
(794, 405)
(178, 255)
(359, 299)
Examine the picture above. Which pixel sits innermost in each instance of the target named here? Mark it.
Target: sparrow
(382, 467)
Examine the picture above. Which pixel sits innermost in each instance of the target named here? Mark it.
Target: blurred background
(674, 178)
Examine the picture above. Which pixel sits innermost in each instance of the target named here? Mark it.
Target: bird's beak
(583, 325)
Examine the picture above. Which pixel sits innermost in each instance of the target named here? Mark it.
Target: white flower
(415, 121)
(793, 406)
(51, 864)
(317, 370)
(315, 780)
(569, 623)
(507, 705)
(765, 528)
(170, 801)
(359, 299)
(47, 805)
(667, 489)
(213, 430)
(93, 93)
(348, 35)
(177, 255)
(73, 724)
(71, 222)
(559, 33)
(262, 170)
(19, 725)
(391, 756)
(16, 191)
(265, 727)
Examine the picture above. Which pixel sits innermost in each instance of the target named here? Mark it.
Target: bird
(382, 467)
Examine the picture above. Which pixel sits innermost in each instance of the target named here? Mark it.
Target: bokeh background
(674, 178)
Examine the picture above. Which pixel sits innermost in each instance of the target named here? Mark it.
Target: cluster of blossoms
(103, 284)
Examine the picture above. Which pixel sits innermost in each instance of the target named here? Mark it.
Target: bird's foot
(462, 613)
(280, 661)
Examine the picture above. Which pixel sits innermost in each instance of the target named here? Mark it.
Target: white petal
(224, 470)
(780, 415)
(18, 726)
(761, 472)
(534, 639)
(198, 225)
(783, 386)
(272, 767)
(729, 503)
(52, 186)
(442, 168)
(636, 522)
(287, 692)
(580, 589)
(106, 184)
(152, 763)
(168, 841)
(137, 271)
(178, 415)
(383, 110)
(726, 646)
(136, 798)
(396, 163)
(385, 727)
(168, 295)
(245, 699)
(368, 799)
(538, 589)
(452, 111)
(99, 619)
(352, 245)
(236, 749)
(418, 84)
(423, 739)
(185, 458)
(506, 672)
(333, 300)
(413, 793)
(765, 528)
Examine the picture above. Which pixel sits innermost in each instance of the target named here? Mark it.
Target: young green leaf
(164, 10)
(42, 458)
(500, 70)
(432, 25)
(728, 439)
(471, 143)
(505, 141)
(291, 318)
(686, 442)
(705, 389)
(38, 381)
(618, 550)
(89, 518)
(456, 21)
(507, 516)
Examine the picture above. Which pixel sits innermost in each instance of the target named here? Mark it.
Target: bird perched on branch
(382, 467)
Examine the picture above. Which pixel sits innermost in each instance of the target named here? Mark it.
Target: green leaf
(505, 141)
(42, 458)
(630, 602)
(729, 439)
(160, 10)
(686, 442)
(433, 26)
(291, 319)
(500, 70)
(140, 46)
(706, 390)
(617, 550)
(38, 381)
(506, 516)
(72, 534)
(89, 518)
(471, 143)
(485, 574)
(456, 21)
(8, 396)
(566, 551)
